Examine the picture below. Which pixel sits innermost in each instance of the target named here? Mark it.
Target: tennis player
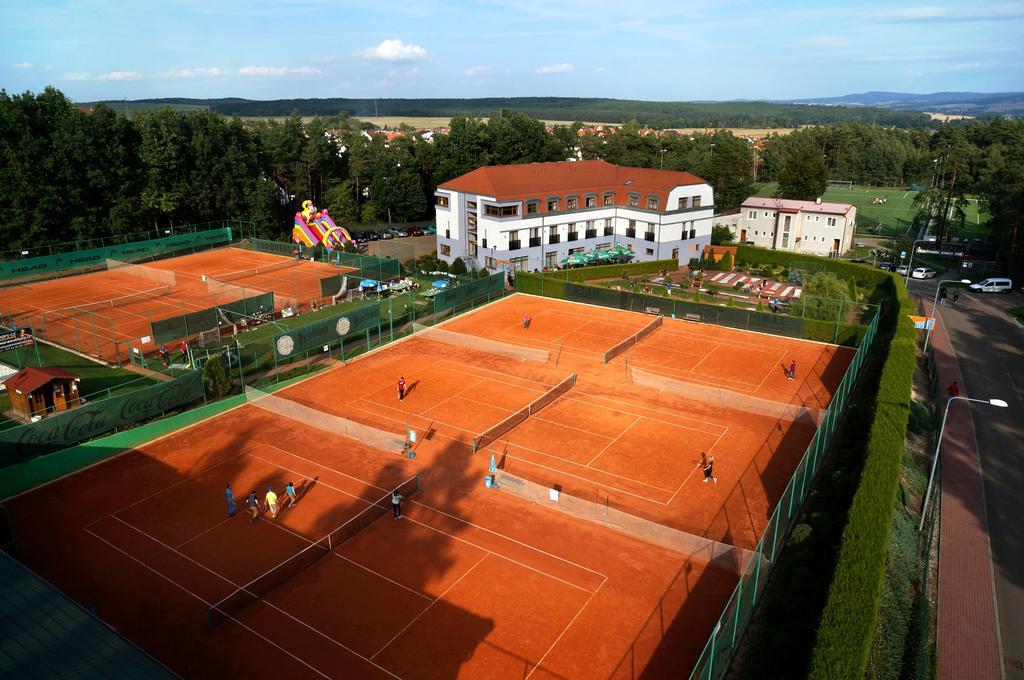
(401, 388)
(254, 506)
(708, 467)
(272, 501)
(290, 490)
(231, 500)
(792, 370)
(526, 320)
(396, 504)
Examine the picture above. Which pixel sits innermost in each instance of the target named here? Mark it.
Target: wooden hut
(42, 391)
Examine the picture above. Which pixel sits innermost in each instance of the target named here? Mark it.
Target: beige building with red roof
(534, 215)
(812, 227)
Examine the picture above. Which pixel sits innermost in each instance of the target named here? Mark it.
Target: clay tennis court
(473, 582)
(108, 332)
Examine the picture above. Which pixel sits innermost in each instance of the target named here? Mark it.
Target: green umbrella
(622, 251)
(574, 258)
(599, 254)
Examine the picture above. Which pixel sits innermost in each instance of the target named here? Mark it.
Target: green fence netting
(725, 636)
(325, 331)
(188, 325)
(97, 257)
(62, 430)
(274, 247)
(367, 266)
(464, 292)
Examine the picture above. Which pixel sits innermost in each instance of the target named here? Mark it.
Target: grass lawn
(899, 205)
(98, 381)
(1016, 312)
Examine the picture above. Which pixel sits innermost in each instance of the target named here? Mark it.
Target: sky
(668, 50)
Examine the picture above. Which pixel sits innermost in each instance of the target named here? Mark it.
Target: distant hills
(967, 103)
(891, 109)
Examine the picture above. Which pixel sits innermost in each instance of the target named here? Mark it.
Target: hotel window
(652, 202)
(751, 214)
(501, 210)
(533, 207)
(441, 201)
(609, 199)
(572, 203)
(591, 201)
(650, 251)
(831, 221)
(695, 203)
(634, 201)
(766, 213)
(446, 249)
(552, 205)
(471, 205)
(682, 203)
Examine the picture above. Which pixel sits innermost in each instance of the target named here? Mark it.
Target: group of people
(165, 354)
(943, 294)
(254, 506)
(879, 200)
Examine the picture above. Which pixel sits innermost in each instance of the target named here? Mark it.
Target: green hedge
(848, 622)
(608, 271)
(850, 334)
(863, 273)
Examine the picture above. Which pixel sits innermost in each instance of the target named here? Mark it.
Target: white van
(993, 286)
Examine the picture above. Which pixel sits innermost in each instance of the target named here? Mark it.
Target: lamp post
(910, 263)
(935, 301)
(662, 152)
(938, 445)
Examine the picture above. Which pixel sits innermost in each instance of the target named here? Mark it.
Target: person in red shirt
(401, 388)
(184, 351)
(792, 370)
(953, 390)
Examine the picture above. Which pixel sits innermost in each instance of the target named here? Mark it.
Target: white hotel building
(534, 215)
(812, 227)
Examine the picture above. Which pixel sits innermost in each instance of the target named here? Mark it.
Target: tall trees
(803, 174)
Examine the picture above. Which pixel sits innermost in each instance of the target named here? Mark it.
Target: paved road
(990, 349)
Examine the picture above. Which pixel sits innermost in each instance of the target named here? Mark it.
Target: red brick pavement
(968, 642)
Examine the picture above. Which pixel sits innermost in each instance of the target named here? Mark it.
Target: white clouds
(927, 13)
(276, 70)
(23, 64)
(600, 69)
(555, 68)
(77, 75)
(394, 50)
(476, 71)
(120, 75)
(211, 72)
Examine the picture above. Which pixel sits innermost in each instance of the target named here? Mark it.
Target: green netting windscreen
(62, 430)
(274, 247)
(94, 257)
(187, 325)
(367, 266)
(332, 285)
(464, 292)
(325, 331)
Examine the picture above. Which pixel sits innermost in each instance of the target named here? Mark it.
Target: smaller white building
(812, 227)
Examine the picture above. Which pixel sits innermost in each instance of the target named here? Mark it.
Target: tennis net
(260, 586)
(632, 340)
(112, 303)
(505, 349)
(371, 436)
(256, 271)
(488, 436)
(723, 397)
(153, 274)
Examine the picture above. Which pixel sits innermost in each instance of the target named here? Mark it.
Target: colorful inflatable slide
(313, 227)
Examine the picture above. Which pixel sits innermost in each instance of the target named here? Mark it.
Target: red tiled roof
(543, 179)
(31, 379)
(791, 205)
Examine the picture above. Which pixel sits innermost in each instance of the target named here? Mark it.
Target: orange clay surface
(109, 332)
(472, 582)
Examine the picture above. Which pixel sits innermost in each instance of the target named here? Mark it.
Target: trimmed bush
(848, 622)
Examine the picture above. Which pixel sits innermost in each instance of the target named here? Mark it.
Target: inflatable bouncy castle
(314, 226)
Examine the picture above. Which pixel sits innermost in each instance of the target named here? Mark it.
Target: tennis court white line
(696, 376)
(570, 427)
(598, 454)
(417, 617)
(392, 581)
(730, 342)
(201, 533)
(456, 395)
(208, 605)
(693, 369)
(566, 629)
(648, 408)
(427, 526)
(261, 599)
(591, 481)
(782, 360)
(692, 472)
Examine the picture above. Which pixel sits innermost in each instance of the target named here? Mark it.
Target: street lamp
(938, 444)
(662, 152)
(935, 301)
(910, 263)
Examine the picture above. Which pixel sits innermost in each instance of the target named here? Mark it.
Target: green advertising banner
(450, 297)
(325, 331)
(97, 257)
(65, 429)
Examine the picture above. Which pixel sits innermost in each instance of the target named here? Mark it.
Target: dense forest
(661, 115)
(69, 174)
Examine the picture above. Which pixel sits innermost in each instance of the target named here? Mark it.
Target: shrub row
(866, 275)
(850, 334)
(848, 621)
(607, 271)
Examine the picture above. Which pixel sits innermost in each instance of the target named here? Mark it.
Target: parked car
(432, 229)
(372, 236)
(385, 234)
(415, 231)
(360, 237)
(903, 270)
(993, 285)
(886, 266)
(859, 260)
(923, 273)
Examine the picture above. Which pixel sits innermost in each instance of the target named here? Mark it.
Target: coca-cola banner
(68, 428)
